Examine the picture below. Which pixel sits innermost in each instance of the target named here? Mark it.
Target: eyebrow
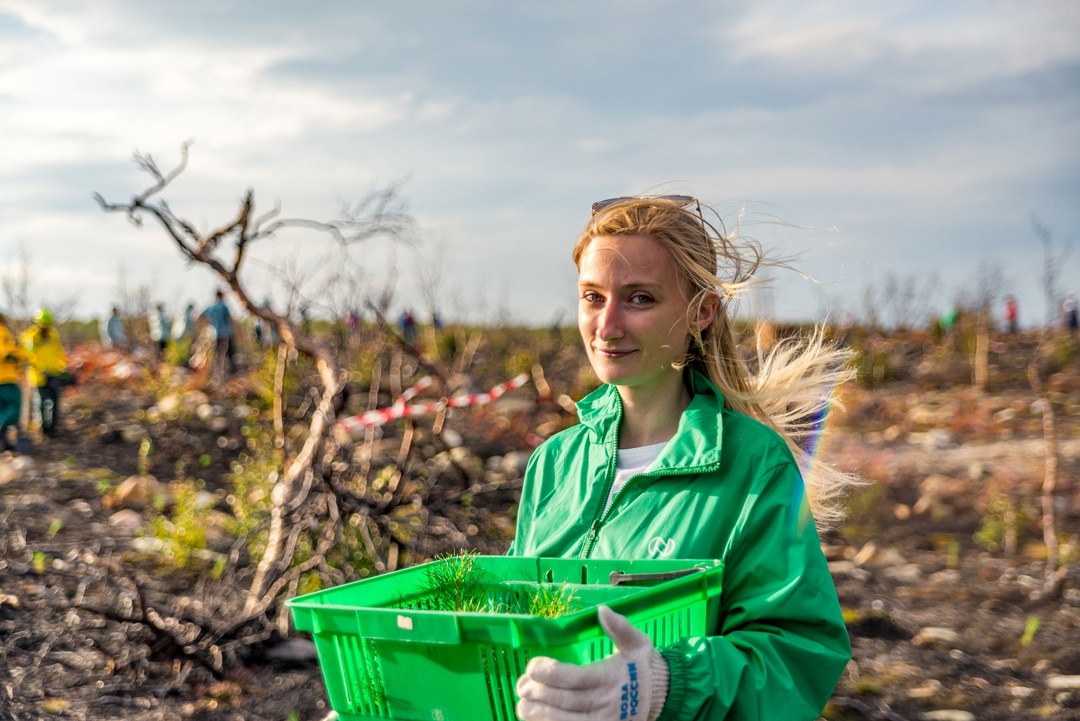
(632, 285)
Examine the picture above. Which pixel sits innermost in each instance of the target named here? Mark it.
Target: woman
(686, 453)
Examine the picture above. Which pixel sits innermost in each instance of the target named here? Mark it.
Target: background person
(46, 360)
(185, 325)
(11, 358)
(1012, 314)
(1070, 313)
(221, 322)
(686, 453)
(113, 335)
(160, 328)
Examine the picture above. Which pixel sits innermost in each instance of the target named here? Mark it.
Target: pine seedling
(456, 584)
(550, 602)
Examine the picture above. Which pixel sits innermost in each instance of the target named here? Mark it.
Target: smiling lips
(612, 352)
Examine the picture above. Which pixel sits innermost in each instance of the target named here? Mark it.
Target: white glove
(630, 685)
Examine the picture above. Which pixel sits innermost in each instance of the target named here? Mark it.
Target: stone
(462, 456)
(148, 545)
(935, 636)
(205, 499)
(134, 434)
(1063, 683)
(452, 438)
(293, 650)
(947, 715)
(515, 462)
(194, 399)
(126, 518)
(8, 471)
(907, 574)
(930, 689)
(168, 404)
(948, 577)
(849, 569)
(138, 491)
(1005, 415)
(892, 433)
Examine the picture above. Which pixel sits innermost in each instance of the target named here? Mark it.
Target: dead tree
(1049, 277)
(224, 250)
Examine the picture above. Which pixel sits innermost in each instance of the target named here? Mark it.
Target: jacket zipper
(594, 527)
(601, 516)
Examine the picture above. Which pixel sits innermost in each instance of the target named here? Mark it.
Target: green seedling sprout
(551, 602)
(1030, 629)
(456, 583)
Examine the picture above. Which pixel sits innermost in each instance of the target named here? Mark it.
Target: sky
(899, 152)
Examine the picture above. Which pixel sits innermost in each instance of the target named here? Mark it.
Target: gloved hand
(629, 685)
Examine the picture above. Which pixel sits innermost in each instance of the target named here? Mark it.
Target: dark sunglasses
(683, 201)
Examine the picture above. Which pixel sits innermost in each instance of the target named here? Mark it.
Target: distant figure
(436, 322)
(1012, 314)
(1069, 314)
(220, 320)
(305, 319)
(114, 337)
(160, 327)
(948, 319)
(46, 360)
(266, 334)
(408, 326)
(11, 356)
(185, 325)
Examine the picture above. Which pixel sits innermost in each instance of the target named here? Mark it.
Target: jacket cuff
(675, 665)
(659, 681)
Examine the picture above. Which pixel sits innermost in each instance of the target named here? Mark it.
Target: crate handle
(618, 578)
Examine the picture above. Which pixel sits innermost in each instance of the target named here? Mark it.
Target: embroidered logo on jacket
(661, 547)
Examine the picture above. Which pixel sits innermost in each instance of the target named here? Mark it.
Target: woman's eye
(640, 298)
(591, 296)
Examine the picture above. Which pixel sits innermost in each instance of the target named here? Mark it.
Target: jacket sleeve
(526, 508)
(782, 644)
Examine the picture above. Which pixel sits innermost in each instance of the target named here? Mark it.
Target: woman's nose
(609, 322)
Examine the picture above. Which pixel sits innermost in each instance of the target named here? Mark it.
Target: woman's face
(632, 312)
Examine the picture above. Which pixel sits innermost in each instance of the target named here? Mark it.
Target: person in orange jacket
(46, 360)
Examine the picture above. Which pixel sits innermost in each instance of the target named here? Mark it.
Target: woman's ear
(703, 315)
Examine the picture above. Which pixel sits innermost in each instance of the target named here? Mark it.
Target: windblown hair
(789, 387)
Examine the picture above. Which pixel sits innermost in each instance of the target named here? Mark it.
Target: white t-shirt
(628, 463)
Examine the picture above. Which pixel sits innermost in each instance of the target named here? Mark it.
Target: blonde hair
(791, 385)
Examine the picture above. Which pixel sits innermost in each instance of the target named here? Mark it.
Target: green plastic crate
(384, 656)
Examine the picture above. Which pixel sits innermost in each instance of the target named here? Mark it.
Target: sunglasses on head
(683, 201)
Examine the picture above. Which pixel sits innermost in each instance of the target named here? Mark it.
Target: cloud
(905, 126)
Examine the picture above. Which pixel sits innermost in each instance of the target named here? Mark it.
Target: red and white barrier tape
(415, 388)
(401, 410)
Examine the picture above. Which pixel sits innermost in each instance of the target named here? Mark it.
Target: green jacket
(724, 487)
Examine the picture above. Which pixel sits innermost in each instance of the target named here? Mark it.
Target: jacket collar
(697, 441)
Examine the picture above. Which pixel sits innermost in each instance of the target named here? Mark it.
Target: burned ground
(98, 622)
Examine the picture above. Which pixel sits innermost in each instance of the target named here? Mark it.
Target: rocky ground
(941, 569)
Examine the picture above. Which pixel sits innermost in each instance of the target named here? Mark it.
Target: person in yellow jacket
(46, 360)
(11, 357)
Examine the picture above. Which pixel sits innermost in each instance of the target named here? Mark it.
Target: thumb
(621, 631)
